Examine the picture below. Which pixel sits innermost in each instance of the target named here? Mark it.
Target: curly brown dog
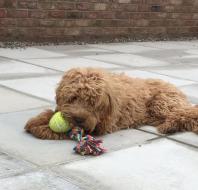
(103, 102)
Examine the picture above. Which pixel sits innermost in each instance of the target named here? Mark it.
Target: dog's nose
(78, 120)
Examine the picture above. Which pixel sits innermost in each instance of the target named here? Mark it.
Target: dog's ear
(107, 111)
(107, 107)
(110, 103)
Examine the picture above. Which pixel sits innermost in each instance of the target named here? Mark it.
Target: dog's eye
(73, 99)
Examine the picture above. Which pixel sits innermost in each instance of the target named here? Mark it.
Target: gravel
(21, 44)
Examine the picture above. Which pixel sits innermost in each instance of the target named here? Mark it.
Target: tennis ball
(58, 124)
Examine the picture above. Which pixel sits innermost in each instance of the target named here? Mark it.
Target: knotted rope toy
(87, 145)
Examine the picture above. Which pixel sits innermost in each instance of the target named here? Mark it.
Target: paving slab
(50, 151)
(64, 64)
(63, 48)
(182, 45)
(164, 54)
(189, 57)
(13, 69)
(192, 52)
(12, 101)
(179, 71)
(125, 138)
(129, 60)
(159, 165)
(41, 152)
(146, 75)
(75, 50)
(12, 166)
(150, 129)
(46, 86)
(191, 91)
(28, 53)
(189, 60)
(186, 137)
(140, 159)
(42, 87)
(36, 180)
(124, 47)
(176, 56)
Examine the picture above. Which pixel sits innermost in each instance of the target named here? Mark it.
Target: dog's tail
(181, 120)
(39, 127)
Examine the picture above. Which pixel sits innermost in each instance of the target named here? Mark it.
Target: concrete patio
(137, 159)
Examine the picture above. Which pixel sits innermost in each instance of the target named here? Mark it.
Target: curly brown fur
(102, 102)
(38, 126)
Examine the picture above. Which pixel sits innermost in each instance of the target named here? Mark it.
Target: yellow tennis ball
(58, 124)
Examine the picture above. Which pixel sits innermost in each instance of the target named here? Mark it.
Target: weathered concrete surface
(28, 78)
(146, 167)
(37, 180)
(11, 101)
(49, 152)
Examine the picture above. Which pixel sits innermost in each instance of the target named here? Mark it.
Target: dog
(101, 102)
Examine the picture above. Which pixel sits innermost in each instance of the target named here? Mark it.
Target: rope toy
(87, 145)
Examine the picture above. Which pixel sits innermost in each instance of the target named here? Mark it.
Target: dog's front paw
(38, 127)
(41, 119)
(44, 132)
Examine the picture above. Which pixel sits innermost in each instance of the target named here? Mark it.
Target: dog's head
(85, 98)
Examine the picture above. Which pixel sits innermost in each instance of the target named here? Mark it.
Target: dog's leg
(41, 119)
(181, 120)
(38, 126)
(173, 112)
